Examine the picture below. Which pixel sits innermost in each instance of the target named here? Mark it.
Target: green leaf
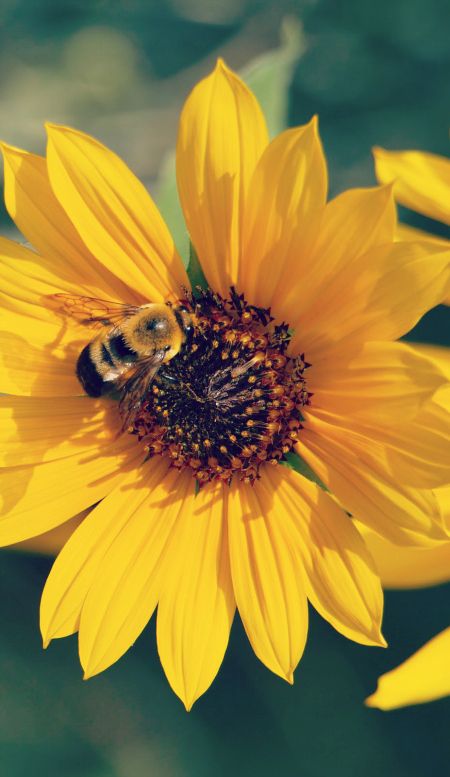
(166, 195)
(295, 462)
(269, 76)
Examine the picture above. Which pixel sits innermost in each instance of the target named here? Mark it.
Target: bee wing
(135, 387)
(91, 311)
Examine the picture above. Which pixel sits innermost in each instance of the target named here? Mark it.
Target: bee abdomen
(88, 374)
(120, 349)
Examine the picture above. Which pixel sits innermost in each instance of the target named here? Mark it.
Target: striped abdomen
(102, 362)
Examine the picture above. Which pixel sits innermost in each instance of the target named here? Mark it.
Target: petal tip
(187, 700)
(371, 701)
(89, 671)
(387, 189)
(222, 70)
(50, 126)
(377, 151)
(375, 638)
(7, 149)
(222, 67)
(54, 130)
(11, 152)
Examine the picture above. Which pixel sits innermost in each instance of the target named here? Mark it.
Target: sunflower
(422, 183)
(208, 500)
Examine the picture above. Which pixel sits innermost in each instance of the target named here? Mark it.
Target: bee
(132, 345)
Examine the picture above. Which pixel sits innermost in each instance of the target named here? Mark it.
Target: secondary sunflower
(263, 538)
(425, 675)
(421, 183)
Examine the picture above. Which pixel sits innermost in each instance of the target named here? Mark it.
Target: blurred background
(375, 74)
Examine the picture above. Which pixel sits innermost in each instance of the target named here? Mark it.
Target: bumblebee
(132, 345)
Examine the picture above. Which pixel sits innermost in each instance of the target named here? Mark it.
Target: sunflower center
(231, 399)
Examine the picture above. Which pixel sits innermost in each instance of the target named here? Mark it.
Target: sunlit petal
(113, 213)
(196, 605)
(222, 134)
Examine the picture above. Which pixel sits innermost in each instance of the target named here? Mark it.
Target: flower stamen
(231, 399)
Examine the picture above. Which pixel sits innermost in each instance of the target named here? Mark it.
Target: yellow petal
(289, 186)
(25, 284)
(267, 578)
(380, 382)
(443, 497)
(339, 574)
(38, 350)
(127, 581)
(360, 477)
(414, 450)
(36, 499)
(425, 676)
(406, 432)
(76, 567)
(350, 225)
(379, 296)
(33, 431)
(438, 353)
(221, 136)
(41, 370)
(37, 213)
(51, 542)
(26, 279)
(196, 605)
(403, 567)
(405, 232)
(114, 214)
(422, 180)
